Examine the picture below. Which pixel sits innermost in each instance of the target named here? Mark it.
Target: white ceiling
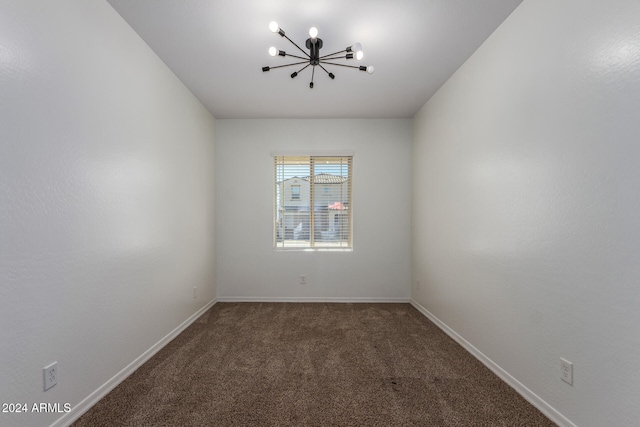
(218, 48)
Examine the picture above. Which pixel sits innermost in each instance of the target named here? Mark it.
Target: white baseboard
(86, 404)
(315, 299)
(520, 388)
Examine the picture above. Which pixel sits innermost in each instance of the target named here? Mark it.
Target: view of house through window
(312, 202)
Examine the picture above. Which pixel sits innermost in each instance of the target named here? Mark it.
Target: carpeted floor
(299, 364)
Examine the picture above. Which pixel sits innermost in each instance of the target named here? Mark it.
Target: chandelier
(313, 58)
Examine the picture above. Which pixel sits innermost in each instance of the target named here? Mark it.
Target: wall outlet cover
(50, 375)
(566, 373)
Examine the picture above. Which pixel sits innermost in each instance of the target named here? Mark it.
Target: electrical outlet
(50, 375)
(566, 373)
(195, 292)
(303, 279)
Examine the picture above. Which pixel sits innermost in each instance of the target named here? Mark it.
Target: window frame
(335, 222)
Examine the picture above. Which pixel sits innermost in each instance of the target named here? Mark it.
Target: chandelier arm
(288, 65)
(293, 43)
(342, 65)
(313, 73)
(331, 54)
(334, 57)
(302, 69)
(295, 56)
(325, 70)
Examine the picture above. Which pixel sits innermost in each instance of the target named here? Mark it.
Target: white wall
(106, 201)
(525, 219)
(247, 266)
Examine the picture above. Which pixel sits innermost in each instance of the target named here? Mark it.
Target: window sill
(313, 249)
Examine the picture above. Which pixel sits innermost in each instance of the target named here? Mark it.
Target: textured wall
(106, 200)
(379, 266)
(526, 236)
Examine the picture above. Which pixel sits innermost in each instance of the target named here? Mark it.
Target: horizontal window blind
(312, 199)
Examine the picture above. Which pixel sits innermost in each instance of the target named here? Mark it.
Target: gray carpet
(298, 364)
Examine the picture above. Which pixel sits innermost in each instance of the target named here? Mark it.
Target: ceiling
(217, 48)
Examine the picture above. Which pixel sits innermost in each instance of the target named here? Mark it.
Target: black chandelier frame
(313, 59)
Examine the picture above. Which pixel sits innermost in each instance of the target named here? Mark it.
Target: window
(312, 199)
(295, 192)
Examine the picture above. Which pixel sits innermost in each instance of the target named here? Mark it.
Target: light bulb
(370, 69)
(359, 55)
(313, 32)
(273, 51)
(273, 26)
(357, 47)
